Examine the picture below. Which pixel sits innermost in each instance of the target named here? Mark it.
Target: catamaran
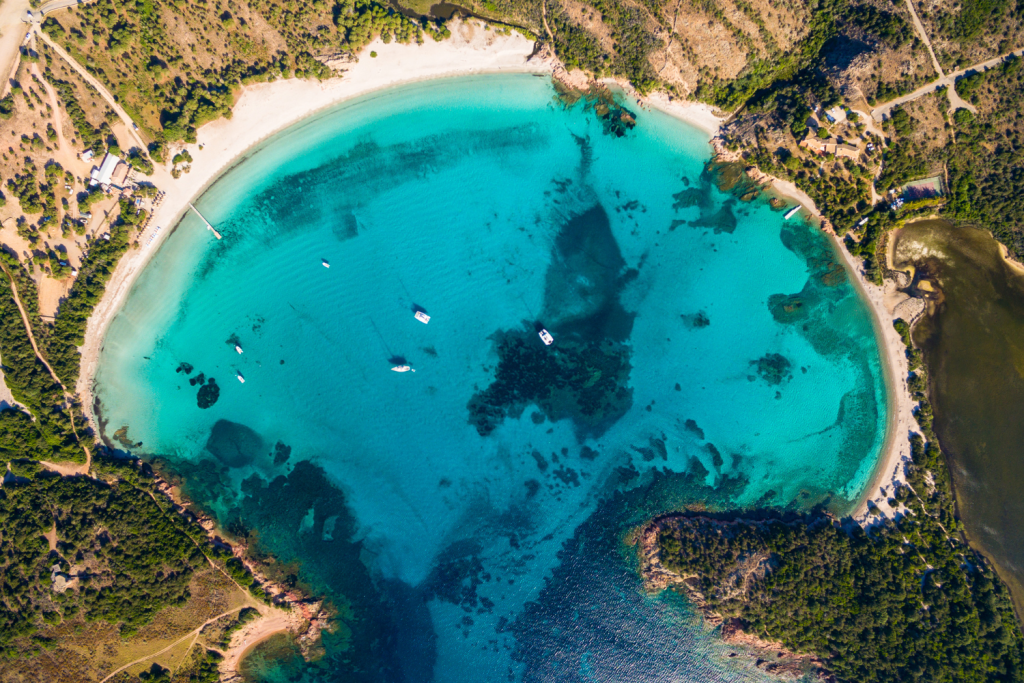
(240, 378)
(402, 368)
(422, 317)
(546, 337)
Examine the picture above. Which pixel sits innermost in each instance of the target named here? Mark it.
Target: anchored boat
(325, 263)
(402, 368)
(240, 378)
(422, 317)
(238, 348)
(546, 337)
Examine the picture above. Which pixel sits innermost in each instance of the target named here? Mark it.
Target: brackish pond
(973, 341)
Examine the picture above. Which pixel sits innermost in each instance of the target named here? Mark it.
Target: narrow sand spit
(882, 301)
(889, 471)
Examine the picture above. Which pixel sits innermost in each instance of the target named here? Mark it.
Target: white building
(108, 170)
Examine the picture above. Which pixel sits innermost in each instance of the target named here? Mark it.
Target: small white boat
(240, 378)
(792, 212)
(422, 317)
(546, 337)
(238, 348)
(402, 368)
(325, 263)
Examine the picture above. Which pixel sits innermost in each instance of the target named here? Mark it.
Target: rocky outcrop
(771, 657)
(290, 611)
(909, 309)
(655, 576)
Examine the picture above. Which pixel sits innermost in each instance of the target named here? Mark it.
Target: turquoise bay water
(462, 554)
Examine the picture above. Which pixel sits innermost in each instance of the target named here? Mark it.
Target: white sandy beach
(267, 108)
(697, 114)
(882, 301)
(896, 452)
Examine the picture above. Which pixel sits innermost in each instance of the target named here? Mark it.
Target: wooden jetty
(208, 225)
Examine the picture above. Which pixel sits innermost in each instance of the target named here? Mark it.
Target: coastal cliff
(284, 609)
(770, 656)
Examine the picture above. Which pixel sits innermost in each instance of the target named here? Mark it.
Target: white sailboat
(402, 368)
(240, 378)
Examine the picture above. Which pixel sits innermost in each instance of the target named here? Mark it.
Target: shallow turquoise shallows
(456, 551)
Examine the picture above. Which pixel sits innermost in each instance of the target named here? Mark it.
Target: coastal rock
(909, 309)
(771, 657)
(208, 394)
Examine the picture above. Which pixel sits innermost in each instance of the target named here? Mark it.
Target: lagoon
(469, 520)
(973, 342)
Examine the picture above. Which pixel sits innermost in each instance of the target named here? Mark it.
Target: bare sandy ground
(1015, 265)
(12, 35)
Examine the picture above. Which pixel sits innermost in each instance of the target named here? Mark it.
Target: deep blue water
(469, 520)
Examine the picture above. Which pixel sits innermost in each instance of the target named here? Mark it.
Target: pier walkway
(209, 226)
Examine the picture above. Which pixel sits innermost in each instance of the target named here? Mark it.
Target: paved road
(100, 88)
(55, 5)
(882, 112)
(923, 35)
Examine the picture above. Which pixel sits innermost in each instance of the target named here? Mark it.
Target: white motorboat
(546, 337)
(402, 368)
(325, 263)
(240, 378)
(238, 348)
(422, 317)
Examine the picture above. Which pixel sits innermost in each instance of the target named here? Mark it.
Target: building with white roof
(108, 171)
